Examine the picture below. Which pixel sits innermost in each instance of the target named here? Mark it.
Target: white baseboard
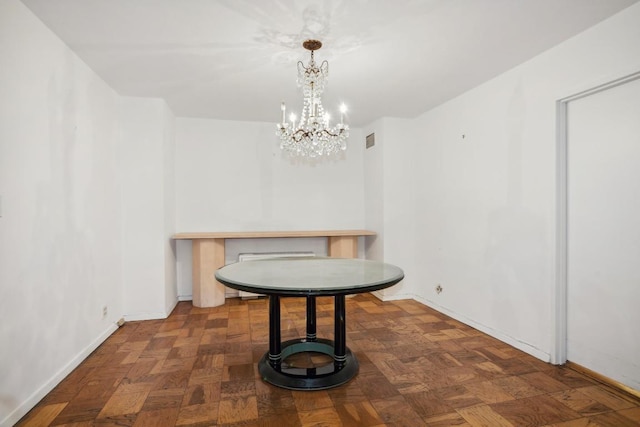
(145, 316)
(50, 384)
(151, 315)
(378, 294)
(185, 297)
(383, 297)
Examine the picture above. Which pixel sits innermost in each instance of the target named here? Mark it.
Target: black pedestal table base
(274, 370)
(330, 375)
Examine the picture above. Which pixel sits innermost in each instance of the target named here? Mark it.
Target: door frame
(559, 300)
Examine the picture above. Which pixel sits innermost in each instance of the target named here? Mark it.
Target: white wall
(486, 201)
(373, 170)
(232, 176)
(169, 210)
(60, 227)
(390, 169)
(147, 208)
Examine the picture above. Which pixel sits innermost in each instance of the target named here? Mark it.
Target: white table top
(309, 276)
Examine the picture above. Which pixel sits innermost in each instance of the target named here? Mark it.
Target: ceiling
(236, 59)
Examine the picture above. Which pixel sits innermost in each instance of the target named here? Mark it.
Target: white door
(603, 264)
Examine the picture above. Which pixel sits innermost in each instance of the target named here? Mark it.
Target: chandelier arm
(299, 135)
(340, 132)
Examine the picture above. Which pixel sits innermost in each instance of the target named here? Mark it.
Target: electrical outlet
(105, 311)
(438, 289)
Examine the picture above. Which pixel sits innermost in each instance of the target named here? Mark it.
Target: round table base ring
(323, 377)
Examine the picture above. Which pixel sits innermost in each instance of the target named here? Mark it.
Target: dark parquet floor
(418, 367)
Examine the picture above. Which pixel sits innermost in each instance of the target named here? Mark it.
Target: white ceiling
(236, 59)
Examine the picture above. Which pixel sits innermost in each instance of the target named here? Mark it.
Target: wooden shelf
(270, 234)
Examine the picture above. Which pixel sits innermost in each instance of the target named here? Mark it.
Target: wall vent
(371, 140)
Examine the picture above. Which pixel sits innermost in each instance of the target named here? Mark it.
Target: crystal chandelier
(312, 135)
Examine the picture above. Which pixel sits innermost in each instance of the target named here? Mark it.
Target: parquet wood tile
(483, 415)
(580, 402)
(447, 420)
(534, 411)
(348, 393)
(517, 387)
(458, 397)
(631, 413)
(45, 414)
(123, 403)
(157, 417)
(488, 392)
(204, 414)
(612, 419)
(615, 401)
(395, 411)
(418, 367)
(312, 400)
(544, 382)
(427, 404)
(358, 414)
(238, 409)
(324, 417)
(164, 399)
(275, 404)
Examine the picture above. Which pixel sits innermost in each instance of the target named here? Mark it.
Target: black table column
(340, 331)
(275, 345)
(311, 318)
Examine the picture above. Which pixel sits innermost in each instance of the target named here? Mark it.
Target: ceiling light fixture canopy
(312, 135)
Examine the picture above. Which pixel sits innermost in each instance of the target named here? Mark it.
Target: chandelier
(312, 135)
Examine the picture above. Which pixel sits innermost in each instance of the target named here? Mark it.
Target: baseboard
(382, 297)
(378, 294)
(152, 315)
(185, 297)
(145, 316)
(37, 396)
(514, 342)
(603, 379)
(397, 297)
(172, 306)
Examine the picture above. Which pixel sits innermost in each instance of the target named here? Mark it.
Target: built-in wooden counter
(208, 255)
